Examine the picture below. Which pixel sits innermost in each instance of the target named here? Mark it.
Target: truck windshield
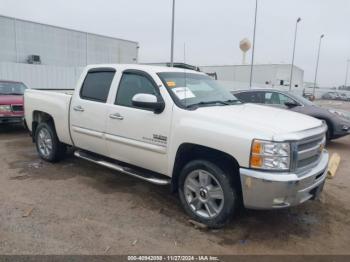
(191, 90)
(9, 88)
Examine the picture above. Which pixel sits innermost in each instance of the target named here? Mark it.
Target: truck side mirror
(148, 101)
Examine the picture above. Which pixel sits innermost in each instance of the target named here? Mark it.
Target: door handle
(116, 116)
(78, 109)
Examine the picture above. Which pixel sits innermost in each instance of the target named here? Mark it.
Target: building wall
(63, 53)
(261, 74)
(41, 76)
(59, 46)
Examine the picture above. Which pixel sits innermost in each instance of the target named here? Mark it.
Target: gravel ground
(75, 207)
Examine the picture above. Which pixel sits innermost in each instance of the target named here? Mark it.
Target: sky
(211, 30)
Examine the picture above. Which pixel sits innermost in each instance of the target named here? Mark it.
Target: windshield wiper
(232, 101)
(15, 94)
(225, 103)
(207, 103)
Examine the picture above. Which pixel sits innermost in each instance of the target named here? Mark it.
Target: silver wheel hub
(204, 194)
(45, 142)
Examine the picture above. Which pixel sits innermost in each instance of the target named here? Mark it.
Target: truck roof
(10, 81)
(146, 68)
(255, 89)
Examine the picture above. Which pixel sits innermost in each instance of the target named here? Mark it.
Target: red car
(11, 102)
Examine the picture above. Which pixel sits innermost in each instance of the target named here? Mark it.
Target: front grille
(17, 108)
(309, 151)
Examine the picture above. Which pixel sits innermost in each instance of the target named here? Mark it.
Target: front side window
(96, 85)
(192, 90)
(132, 84)
(12, 88)
(274, 98)
(285, 99)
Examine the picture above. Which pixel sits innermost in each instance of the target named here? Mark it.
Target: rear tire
(47, 143)
(207, 193)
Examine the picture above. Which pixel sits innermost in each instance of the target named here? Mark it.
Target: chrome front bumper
(268, 190)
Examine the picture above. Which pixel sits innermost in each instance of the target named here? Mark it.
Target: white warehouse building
(45, 56)
(272, 75)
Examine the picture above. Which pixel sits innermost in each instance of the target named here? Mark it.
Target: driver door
(135, 135)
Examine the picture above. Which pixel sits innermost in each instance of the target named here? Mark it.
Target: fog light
(278, 200)
(345, 128)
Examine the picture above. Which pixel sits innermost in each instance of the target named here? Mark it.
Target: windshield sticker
(183, 93)
(171, 84)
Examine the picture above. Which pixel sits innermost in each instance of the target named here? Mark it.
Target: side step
(152, 178)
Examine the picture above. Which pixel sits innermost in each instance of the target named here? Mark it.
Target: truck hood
(268, 120)
(11, 99)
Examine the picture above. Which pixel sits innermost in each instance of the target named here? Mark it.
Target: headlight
(5, 108)
(270, 155)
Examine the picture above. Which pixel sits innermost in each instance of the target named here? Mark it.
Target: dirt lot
(75, 207)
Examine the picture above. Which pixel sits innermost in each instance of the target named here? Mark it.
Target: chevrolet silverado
(180, 128)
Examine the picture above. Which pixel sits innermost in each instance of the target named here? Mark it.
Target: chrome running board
(154, 179)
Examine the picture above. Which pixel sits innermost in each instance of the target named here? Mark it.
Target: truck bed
(55, 103)
(62, 91)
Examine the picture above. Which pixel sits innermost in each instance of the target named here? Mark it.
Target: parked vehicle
(338, 122)
(330, 96)
(344, 97)
(180, 127)
(11, 102)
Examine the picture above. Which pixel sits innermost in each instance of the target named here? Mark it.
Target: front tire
(47, 144)
(207, 193)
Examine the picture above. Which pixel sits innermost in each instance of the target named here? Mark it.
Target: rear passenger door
(88, 110)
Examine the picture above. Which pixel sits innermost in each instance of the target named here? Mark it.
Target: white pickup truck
(180, 127)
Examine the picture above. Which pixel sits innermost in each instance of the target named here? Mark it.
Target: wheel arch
(40, 117)
(188, 152)
(330, 125)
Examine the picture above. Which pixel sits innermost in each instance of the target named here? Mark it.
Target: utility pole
(253, 51)
(172, 36)
(318, 59)
(347, 72)
(295, 40)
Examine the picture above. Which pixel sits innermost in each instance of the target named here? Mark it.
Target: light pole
(295, 40)
(253, 50)
(318, 59)
(172, 36)
(347, 72)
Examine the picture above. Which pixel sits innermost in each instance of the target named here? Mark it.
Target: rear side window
(130, 85)
(96, 85)
(243, 97)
